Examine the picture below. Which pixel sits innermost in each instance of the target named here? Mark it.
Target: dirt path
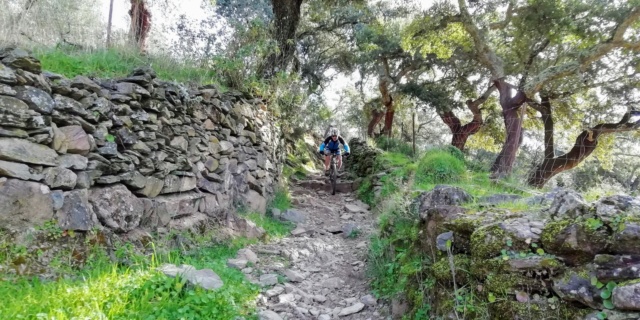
(323, 260)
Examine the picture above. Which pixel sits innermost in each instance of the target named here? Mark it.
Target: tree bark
(140, 23)
(109, 23)
(512, 112)
(387, 100)
(413, 132)
(585, 144)
(376, 117)
(286, 19)
(461, 133)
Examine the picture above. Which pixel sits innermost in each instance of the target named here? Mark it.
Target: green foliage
(120, 62)
(104, 289)
(438, 166)
(273, 227)
(281, 200)
(394, 145)
(365, 191)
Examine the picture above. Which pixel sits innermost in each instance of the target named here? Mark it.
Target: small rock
(204, 278)
(294, 216)
(350, 230)
(237, 263)
(298, 231)
(369, 300)
(248, 255)
(324, 317)
(332, 283)
(277, 290)
(58, 177)
(268, 279)
(268, 315)
(442, 239)
(320, 298)
(247, 270)
(626, 297)
(353, 208)
(286, 298)
(17, 170)
(294, 276)
(73, 161)
(352, 309)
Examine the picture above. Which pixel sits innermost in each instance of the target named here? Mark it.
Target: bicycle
(333, 172)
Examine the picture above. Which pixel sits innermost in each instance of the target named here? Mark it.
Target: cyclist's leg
(339, 156)
(327, 158)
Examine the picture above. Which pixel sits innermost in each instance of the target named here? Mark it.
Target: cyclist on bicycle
(332, 145)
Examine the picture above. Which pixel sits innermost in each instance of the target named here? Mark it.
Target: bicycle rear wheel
(334, 176)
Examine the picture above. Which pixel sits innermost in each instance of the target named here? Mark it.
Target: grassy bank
(120, 62)
(126, 283)
(397, 264)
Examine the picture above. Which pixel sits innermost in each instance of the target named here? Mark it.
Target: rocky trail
(318, 271)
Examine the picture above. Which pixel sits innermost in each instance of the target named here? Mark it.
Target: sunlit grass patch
(108, 290)
(120, 62)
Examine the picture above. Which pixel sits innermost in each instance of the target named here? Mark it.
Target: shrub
(394, 145)
(439, 166)
(455, 152)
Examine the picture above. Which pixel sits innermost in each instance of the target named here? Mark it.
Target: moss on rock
(539, 310)
(441, 269)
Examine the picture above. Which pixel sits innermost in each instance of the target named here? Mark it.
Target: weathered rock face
(564, 254)
(129, 152)
(24, 204)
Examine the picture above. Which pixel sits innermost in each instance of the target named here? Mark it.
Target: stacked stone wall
(127, 153)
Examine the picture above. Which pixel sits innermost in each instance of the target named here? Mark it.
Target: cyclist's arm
(322, 147)
(344, 144)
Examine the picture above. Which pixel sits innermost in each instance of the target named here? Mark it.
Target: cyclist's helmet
(334, 132)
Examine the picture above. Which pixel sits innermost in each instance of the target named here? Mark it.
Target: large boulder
(24, 204)
(116, 207)
(442, 195)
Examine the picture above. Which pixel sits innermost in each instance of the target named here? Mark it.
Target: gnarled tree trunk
(461, 133)
(585, 144)
(387, 100)
(512, 113)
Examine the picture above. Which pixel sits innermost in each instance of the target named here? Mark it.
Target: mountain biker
(331, 144)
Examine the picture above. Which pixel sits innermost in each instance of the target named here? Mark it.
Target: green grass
(103, 289)
(281, 200)
(109, 290)
(273, 227)
(119, 63)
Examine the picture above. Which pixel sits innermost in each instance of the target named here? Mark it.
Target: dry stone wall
(128, 153)
(562, 258)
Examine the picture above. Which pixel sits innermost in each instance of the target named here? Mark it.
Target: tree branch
(586, 58)
(532, 57)
(507, 19)
(484, 54)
